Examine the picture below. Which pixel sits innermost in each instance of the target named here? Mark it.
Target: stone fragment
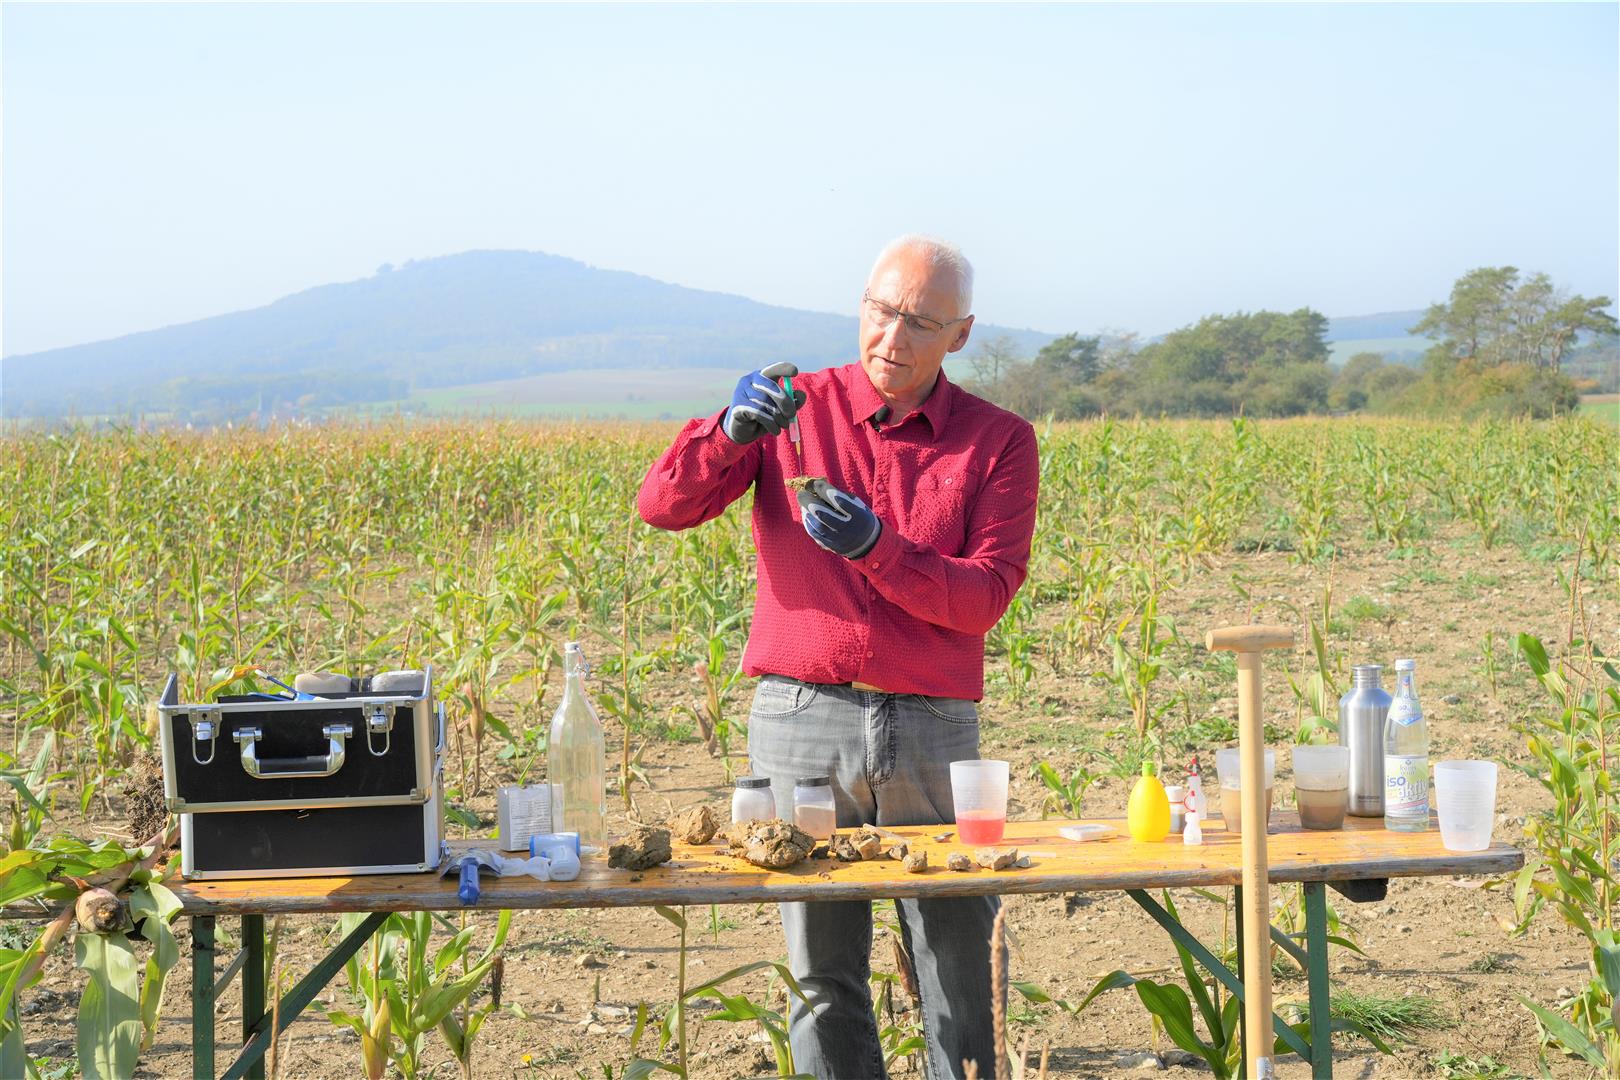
(868, 841)
(694, 825)
(843, 848)
(992, 858)
(646, 846)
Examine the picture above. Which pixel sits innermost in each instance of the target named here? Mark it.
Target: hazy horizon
(1130, 167)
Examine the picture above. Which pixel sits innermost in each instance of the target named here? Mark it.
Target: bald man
(876, 586)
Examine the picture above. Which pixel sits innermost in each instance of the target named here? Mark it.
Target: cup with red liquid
(979, 790)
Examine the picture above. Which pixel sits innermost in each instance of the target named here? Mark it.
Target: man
(876, 586)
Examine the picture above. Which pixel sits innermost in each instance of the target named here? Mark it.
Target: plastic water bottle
(576, 757)
(1406, 756)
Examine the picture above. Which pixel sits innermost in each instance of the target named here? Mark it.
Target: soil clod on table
(694, 825)
(992, 858)
(774, 844)
(915, 863)
(958, 861)
(646, 846)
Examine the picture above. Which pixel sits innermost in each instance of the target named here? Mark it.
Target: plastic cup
(979, 792)
(1466, 794)
(1322, 785)
(1229, 767)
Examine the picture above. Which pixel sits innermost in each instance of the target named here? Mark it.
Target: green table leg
(202, 997)
(253, 985)
(298, 998)
(1316, 970)
(1243, 1014)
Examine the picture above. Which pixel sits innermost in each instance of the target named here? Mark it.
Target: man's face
(902, 363)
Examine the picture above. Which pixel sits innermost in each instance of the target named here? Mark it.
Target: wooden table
(1357, 861)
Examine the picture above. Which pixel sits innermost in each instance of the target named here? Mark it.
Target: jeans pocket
(777, 697)
(951, 710)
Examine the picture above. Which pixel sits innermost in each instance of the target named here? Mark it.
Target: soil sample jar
(752, 800)
(813, 808)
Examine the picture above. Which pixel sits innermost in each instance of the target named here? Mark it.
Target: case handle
(306, 766)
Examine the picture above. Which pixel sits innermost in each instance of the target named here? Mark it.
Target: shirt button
(876, 565)
(870, 655)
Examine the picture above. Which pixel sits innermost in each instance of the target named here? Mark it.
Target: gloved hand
(838, 521)
(758, 405)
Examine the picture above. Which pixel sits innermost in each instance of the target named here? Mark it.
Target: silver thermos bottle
(1362, 712)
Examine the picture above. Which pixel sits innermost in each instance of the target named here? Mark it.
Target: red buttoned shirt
(954, 483)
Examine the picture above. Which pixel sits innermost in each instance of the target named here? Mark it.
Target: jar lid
(814, 781)
(1405, 665)
(753, 781)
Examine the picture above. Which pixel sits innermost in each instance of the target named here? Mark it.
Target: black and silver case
(348, 783)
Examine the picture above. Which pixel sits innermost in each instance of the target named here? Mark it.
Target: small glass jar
(814, 810)
(752, 800)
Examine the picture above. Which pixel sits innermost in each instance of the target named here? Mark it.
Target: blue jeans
(889, 759)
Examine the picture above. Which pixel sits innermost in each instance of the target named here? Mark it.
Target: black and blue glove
(759, 406)
(838, 521)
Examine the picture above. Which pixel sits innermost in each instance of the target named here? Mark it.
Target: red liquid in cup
(980, 826)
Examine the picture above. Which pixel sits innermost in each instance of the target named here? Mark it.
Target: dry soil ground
(577, 976)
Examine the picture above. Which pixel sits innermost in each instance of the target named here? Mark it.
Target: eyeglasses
(920, 326)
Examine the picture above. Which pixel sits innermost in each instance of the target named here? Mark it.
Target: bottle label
(1405, 711)
(1406, 784)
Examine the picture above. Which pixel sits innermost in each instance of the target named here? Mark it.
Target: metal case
(341, 750)
(330, 842)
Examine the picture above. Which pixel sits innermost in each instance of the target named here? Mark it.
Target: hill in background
(469, 319)
(483, 331)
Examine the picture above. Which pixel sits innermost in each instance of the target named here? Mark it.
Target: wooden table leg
(202, 997)
(253, 1015)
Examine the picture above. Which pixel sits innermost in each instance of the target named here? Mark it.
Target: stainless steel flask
(1362, 712)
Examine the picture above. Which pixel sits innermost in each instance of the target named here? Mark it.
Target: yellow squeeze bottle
(1147, 815)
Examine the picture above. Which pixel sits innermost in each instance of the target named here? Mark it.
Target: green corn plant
(1065, 796)
(1576, 844)
(409, 988)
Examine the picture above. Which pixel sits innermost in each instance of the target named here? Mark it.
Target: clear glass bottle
(576, 757)
(1406, 756)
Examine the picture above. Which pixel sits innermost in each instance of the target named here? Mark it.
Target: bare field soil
(576, 977)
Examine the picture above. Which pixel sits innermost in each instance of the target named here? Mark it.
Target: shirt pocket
(941, 501)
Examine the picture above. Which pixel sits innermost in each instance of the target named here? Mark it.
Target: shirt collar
(865, 401)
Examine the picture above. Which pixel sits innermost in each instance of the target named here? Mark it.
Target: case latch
(204, 725)
(379, 718)
(281, 768)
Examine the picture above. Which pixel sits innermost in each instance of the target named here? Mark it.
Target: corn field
(480, 548)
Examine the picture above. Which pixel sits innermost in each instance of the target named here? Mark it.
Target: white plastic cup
(1465, 792)
(979, 793)
(1321, 768)
(1229, 767)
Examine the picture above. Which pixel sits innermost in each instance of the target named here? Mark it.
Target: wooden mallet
(1249, 642)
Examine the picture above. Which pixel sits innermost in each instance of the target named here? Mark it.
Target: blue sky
(1104, 166)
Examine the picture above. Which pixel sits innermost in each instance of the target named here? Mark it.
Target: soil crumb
(802, 483)
(694, 825)
(646, 846)
(774, 844)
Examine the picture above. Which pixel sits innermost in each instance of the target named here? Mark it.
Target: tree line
(1505, 345)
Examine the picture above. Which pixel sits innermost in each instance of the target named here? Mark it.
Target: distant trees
(1494, 318)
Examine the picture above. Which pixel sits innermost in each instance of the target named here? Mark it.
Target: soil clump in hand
(802, 483)
(646, 846)
(774, 844)
(694, 825)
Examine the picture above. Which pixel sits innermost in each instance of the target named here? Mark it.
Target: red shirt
(954, 484)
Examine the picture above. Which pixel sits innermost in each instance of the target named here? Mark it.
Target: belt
(868, 687)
